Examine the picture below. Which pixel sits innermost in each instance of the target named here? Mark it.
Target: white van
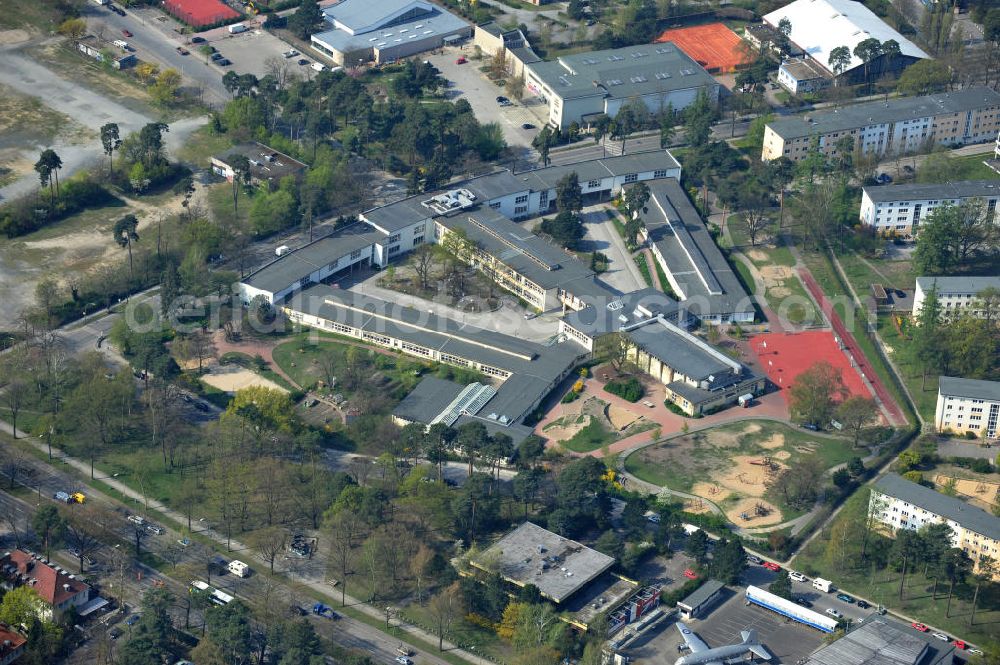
(237, 28)
(823, 585)
(121, 43)
(318, 66)
(239, 568)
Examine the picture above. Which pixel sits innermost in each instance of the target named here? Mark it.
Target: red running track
(895, 413)
(785, 355)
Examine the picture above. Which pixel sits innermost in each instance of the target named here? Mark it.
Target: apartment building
(889, 127)
(897, 503)
(897, 210)
(59, 589)
(968, 405)
(956, 295)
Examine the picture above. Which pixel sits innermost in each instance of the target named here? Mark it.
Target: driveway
(601, 236)
(85, 106)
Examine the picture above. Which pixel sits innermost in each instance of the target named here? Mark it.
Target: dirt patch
(779, 292)
(775, 275)
(782, 454)
(724, 439)
(230, 378)
(696, 506)
(746, 478)
(10, 37)
(753, 512)
(621, 417)
(712, 491)
(984, 493)
(564, 428)
(757, 256)
(777, 440)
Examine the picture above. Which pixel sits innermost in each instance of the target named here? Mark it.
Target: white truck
(823, 585)
(281, 251)
(239, 568)
(121, 43)
(237, 28)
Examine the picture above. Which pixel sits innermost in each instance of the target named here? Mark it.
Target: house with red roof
(58, 588)
(11, 645)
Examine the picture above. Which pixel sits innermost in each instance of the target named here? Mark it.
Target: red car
(960, 644)
(461, 60)
(126, 33)
(919, 626)
(690, 574)
(771, 566)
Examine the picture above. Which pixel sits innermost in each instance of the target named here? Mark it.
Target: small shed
(694, 606)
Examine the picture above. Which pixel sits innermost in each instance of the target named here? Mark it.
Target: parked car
(223, 63)
(976, 652)
(960, 645)
(115, 633)
(834, 613)
(844, 597)
(864, 604)
(919, 626)
(527, 125)
(182, 50)
(215, 56)
(754, 559)
(154, 529)
(184, 542)
(690, 574)
(810, 426)
(290, 53)
(770, 565)
(303, 61)
(197, 40)
(403, 660)
(803, 602)
(798, 577)
(941, 636)
(461, 60)
(132, 620)
(126, 33)
(136, 519)
(883, 179)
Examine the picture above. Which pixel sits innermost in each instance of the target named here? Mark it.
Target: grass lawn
(862, 273)
(882, 587)
(745, 276)
(590, 438)
(201, 145)
(640, 262)
(220, 201)
(924, 393)
(760, 254)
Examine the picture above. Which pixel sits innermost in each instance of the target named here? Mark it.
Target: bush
(630, 389)
(31, 213)
(971, 436)
(571, 396)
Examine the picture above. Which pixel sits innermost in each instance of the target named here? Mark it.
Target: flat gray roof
(266, 163)
(535, 368)
(687, 354)
(804, 69)
(694, 260)
(532, 555)
(702, 594)
(284, 271)
(428, 399)
(880, 112)
(952, 386)
(958, 284)
(948, 507)
(632, 71)
(878, 640)
(602, 317)
(962, 189)
(540, 261)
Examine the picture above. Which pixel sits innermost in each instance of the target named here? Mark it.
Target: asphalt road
(152, 44)
(601, 236)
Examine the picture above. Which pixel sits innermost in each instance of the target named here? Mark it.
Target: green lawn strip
(882, 587)
(745, 276)
(202, 144)
(640, 262)
(220, 202)
(664, 282)
(924, 393)
(616, 221)
(971, 167)
(590, 438)
(800, 308)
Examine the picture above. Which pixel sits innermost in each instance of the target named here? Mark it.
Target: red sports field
(199, 13)
(714, 46)
(783, 356)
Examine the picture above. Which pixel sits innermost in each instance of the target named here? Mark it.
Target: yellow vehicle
(78, 497)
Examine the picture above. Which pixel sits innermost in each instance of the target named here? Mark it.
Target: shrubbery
(629, 389)
(32, 212)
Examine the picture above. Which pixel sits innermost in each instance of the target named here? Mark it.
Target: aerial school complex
(482, 212)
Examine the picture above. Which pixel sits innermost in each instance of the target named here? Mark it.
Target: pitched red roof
(54, 586)
(17, 641)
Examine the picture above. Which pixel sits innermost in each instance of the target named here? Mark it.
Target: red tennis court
(199, 13)
(783, 356)
(714, 46)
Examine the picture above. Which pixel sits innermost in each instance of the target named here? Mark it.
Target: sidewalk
(317, 585)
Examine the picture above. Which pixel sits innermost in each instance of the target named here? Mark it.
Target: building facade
(59, 589)
(968, 405)
(957, 296)
(897, 210)
(803, 75)
(580, 87)
(897, 503)
(267, 165)
(892, 127)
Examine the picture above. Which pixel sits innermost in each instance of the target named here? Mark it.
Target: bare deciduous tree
(269, 543)
(444, 608)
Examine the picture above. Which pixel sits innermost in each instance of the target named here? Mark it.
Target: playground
(783, 356)
(713, 46)
(732, 466)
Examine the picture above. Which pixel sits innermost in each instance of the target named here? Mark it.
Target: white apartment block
(968, 405)
(895, 126)
(897, 210)
(956, 295)
(898, 503)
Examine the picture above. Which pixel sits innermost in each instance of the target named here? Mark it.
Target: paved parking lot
(787, 641)
(249, 51)
(471, 84)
